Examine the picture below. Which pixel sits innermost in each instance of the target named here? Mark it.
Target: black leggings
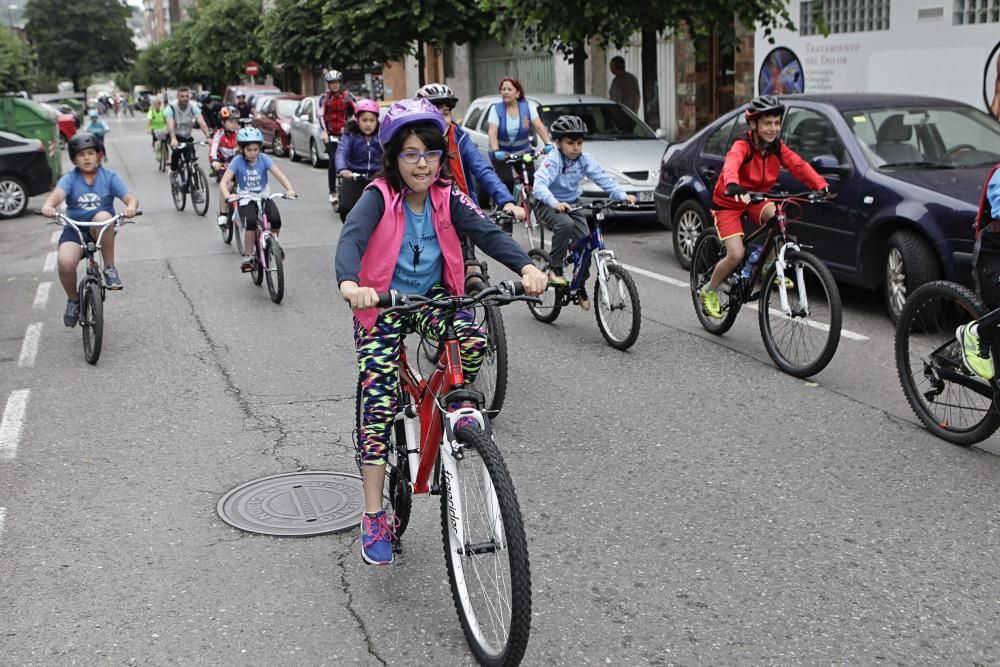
(175, 153)
(248, 214)
(331, 171)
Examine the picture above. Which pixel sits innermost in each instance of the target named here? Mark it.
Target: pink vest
(379, 260)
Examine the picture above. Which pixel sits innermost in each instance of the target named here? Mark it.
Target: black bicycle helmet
(82, 141)
(438, 93)
(764, 105)
(564, 125)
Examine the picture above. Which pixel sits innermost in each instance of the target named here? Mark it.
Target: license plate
(645, 196)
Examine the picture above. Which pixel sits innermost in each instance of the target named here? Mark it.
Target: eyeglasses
(413, 157)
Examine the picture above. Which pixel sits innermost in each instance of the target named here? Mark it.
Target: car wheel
(313, 154)
(277, 146)
(909, 263)
(689, 222)
(13, 197)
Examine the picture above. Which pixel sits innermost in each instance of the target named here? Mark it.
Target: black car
(908, 173)
(24, 173)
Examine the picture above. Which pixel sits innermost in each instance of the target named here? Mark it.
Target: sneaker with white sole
(377, 536)
(975, 355)
(222, 221)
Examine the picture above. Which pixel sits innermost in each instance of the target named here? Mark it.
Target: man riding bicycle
(181, 120)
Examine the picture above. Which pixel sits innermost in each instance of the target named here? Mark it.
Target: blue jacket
(357, 153)
(478, 170)
(558, 179)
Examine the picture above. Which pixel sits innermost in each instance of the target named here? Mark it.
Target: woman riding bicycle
(510, 123)
(752, 164)
(403, 234)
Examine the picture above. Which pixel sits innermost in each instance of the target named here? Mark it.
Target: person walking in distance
(624, 87)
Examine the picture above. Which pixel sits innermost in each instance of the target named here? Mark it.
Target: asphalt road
(685, 502)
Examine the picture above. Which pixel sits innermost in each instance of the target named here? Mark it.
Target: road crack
(349, 604)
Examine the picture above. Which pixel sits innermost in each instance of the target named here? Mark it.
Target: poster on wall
(781, 73)
(991, 82)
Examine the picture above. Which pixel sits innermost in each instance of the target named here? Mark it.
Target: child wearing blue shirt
(250, 170)
(979, 338)
(557, 190)
(89, 191)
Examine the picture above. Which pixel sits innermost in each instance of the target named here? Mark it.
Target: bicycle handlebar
(808, 195)
(255, 196)
(602, 204)
(503, 292)
(184, 144)
(119, 219)
(523, 156)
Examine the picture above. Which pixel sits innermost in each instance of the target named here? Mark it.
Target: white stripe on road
(3, 519)
(55, 235)
(50, 262)
(29, 348)
(845, 333)
(42, 295)
(12, 422)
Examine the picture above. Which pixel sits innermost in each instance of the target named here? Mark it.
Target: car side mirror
(828, 164)
(660, 133)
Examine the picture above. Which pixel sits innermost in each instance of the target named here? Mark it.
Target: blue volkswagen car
(908, 173)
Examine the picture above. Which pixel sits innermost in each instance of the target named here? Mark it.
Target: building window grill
(844, 16)
(973, 12)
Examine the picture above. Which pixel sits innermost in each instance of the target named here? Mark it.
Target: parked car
(908, 173)
(274, 119)
(229, 97)
(24, 173)
(627, 148)
(305, 137)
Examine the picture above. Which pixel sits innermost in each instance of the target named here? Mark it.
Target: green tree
(222, 36)
(15, 62)
(292, 34)
(74, 39)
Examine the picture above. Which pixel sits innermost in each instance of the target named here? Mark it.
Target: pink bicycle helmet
(407, 112)
(366, 105)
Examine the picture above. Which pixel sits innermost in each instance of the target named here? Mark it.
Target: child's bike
(486, 550)
(92, 289)
(954, 403)
(523, 166)
(269, 258)
(191, 179)
(616, 298)
(162, 151)
(800, 324)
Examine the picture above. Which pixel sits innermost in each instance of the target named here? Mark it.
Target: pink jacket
(379, 261)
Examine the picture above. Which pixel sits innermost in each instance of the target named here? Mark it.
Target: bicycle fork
(602, 259)
(780, 264)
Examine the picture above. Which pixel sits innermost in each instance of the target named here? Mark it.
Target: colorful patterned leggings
(378, 363)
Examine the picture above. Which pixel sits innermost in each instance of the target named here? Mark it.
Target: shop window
(971, 12)
(844, 16)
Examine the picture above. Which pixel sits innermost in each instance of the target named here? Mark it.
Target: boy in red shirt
(752, 165)
(222, 150)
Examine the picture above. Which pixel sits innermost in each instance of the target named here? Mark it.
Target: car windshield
(926, 137)
(287, 107)
(604, 121)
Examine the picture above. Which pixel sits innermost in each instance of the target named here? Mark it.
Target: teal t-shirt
(420, 264)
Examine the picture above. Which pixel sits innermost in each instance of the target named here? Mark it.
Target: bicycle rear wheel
(199, 190)
(492, 376)
(178, 193)
(227, 231)
(258, 267)
(548, 310)
(952, 402)
(275, 270)
(804, 343)
(161, 155)
(486, 550)
(91, 320)
(620, 316)
(707, 252)
(396, 489)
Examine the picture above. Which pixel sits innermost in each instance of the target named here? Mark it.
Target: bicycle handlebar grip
(389, 299)
(511, 287)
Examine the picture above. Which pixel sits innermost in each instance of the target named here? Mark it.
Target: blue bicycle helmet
(249, 135)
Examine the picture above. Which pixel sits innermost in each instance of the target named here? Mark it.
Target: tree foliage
(75, 39)
(15, 62)
(292, 34)
(222, 36)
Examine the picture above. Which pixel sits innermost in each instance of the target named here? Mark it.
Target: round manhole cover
(298, 504)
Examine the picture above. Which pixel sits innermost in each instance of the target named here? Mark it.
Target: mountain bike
(92, 289)
(269, 258)
(523, 167)
(953, 403)
(349, 190)
(492, 377)
(800, 324)
(616, 298)
(486, 550)
(161, 149)
(191, 179)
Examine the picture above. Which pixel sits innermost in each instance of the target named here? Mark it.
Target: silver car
(305, 138)
(627, 148)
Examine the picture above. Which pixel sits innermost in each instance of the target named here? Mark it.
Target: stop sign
(251, 68)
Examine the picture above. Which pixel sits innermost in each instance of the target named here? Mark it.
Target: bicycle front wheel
(178, 194)
(227, 230)
(92, 321)
(953, 403)
(708, 250)
(803, 342)
(275, 270)
(258, 271)
(161, 156)
(492, 376)
(619, 316)
(199, 191)
(486, 551)
(548, 310)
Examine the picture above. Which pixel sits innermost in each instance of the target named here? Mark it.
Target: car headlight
(654, 176)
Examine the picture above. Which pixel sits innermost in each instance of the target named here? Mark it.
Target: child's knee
(735, 252)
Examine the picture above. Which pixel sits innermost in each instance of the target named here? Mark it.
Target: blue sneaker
(111, 279)
(377, 537)
(72, 314)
